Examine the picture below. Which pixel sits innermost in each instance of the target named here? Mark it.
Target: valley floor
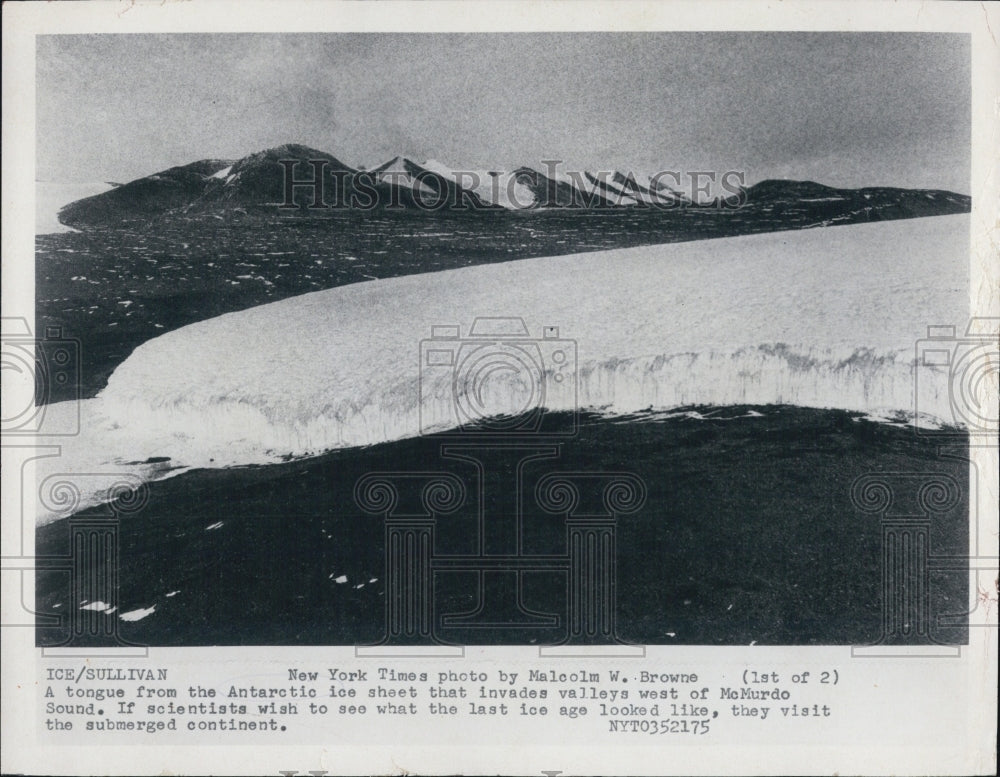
(748, 535)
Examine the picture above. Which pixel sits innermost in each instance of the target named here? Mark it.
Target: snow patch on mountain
(398, 171)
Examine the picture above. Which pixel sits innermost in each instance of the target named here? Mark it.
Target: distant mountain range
(257, 181)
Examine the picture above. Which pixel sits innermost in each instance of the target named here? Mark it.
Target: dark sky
(848, 109)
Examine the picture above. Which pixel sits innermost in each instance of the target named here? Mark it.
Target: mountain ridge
(259, 180)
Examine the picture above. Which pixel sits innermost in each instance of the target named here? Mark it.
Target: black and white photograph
(416, 343)
(465, 283)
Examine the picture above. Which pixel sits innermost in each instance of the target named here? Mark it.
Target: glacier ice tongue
(818, 318)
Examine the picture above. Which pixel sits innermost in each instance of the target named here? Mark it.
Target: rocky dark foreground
(748, 534)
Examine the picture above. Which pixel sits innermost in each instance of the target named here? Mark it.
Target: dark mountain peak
(828, 205)
(627, 180)
(203, 167)
(194, 171)
(781, 188)
(527, 172)
(274, 156)
(153, 194)
(288, 151)
(396, 161)
(447, 184)
(259, 178)
(401, 165)
(258, 181)
(647, 187)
